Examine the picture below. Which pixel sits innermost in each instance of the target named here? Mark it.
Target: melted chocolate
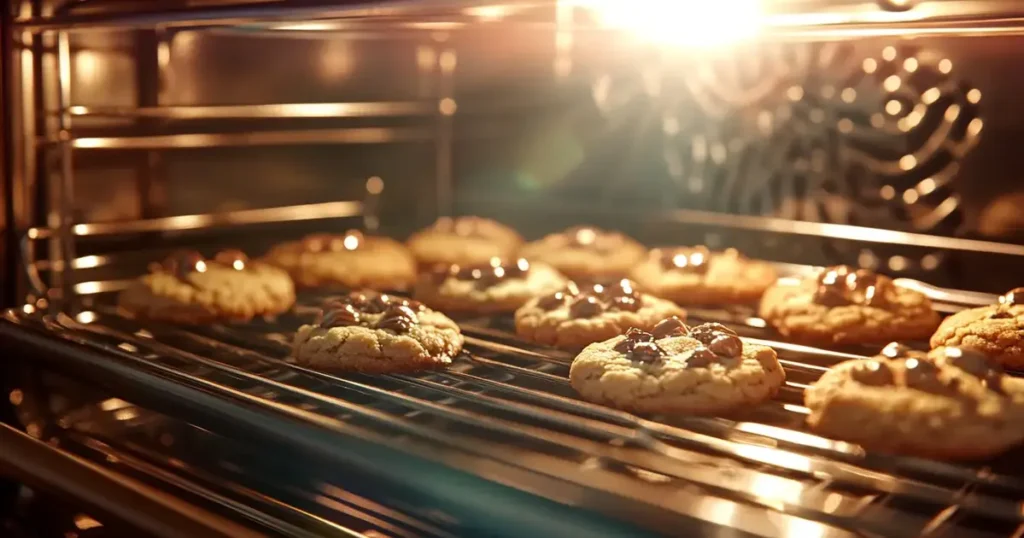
(702, 357)
(670, 327)
(978, 365)
(874, 373)
(1001, 312)
(923, 374)
(484, 275)
(639, 346)
(896, 350)
(233, 258)
(343, 315)
(595, 299)
(718, 338)
(398, 318)
(687, 260)
(350, 240)
(718, 342)
(1013, 297)
(475, 227)
(589, 238)
(842, 285)
(182, 263)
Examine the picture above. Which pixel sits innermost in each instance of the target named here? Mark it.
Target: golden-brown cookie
(463, 241)
(674, 369)
(188, 288)
(697, 275)
(375, 333)
(350, 260)
(995, 330)
(846, 306)
(586, 253)
(497, 286)
(580, 315)
(950, 403)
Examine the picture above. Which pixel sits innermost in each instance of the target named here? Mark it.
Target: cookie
(950, 403)
(188, 288)
(375, 333)
(497, 286)
(697, 275)
(846, 306)
(586, 253)
(996, 330)
(350, 260)
(674, 369)
(582, 314)
(463, 241)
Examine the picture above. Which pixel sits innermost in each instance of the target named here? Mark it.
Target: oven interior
(876, 134)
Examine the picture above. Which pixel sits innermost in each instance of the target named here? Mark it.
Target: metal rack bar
(326, 210)
(245, 13)
(973, 503)
(145, 508)
(363, 109)
(759, 224)
(355, 135)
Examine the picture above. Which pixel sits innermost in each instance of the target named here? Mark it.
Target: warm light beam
(686, 23)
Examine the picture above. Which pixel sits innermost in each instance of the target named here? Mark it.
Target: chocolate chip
(923, 374)
(896, 350)
(639, 345)
(233, 258)
(627, 304)
(701, 358)
(842, 285)
(645, 352)
(976, 364)
(552, 301)
(181, 263)
(342, 315)
(672, 326)
(874, 373)
(587, 306)
(398, 318)
(686, 260)
(707, 332)
(727, 345)
(1013, 297)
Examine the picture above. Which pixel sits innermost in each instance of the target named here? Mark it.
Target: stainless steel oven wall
(544, 121)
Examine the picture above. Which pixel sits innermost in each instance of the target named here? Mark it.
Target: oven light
(681, 22)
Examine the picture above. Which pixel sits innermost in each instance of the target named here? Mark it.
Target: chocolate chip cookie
(497, 286)
(375, 333)
(586, 253)
(996, 330)
(675, 369)
(950, 403)
(463, 241)
(698, 275)
(842, 305)
(350, 260)
(580, 314)
(189, 288)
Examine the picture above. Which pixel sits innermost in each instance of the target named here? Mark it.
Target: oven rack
(792, 19)
(505, 408)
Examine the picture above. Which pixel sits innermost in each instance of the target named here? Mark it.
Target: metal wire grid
(508, 401)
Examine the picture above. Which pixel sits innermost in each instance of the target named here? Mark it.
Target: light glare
(684, 23)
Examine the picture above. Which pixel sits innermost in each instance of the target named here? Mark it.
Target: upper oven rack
(786, 19)
(508, 403)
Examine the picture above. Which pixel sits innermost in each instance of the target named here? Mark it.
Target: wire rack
(509, 402)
